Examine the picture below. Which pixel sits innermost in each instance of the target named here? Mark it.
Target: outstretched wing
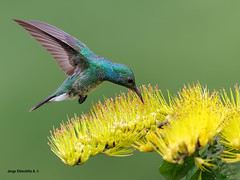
(70, 53)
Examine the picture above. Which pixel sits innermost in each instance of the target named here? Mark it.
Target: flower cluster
(176, 128)
(110, 128)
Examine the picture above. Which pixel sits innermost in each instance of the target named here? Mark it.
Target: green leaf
(196, 175)
(208, 176)
(193, 173)
(172, 171)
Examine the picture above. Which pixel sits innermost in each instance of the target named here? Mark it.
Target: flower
(176, 128)
(201, 163)
(231, 132)
(197, 116)
(110, 128)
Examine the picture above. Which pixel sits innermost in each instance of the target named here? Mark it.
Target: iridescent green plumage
(86, 71)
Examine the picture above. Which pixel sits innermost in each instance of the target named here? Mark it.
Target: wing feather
(59, 44)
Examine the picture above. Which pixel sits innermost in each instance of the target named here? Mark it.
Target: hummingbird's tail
(43, 102)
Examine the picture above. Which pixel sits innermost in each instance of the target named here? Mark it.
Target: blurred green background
(169, 43)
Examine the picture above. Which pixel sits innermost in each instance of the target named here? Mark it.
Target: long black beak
(138, 93)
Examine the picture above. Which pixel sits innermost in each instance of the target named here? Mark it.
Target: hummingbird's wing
(70, 53)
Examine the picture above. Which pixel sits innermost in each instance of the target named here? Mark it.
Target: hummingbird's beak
(138, 93)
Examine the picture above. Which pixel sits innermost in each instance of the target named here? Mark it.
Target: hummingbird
(85, 70)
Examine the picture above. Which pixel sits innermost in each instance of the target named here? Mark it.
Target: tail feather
(42, 102)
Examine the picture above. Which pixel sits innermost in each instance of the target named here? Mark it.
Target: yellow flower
(196, 118)
(201, 163)
(230, 157)
(144, 145)
(110, 128)
(71, 146)
(231, 132)
(175, 128)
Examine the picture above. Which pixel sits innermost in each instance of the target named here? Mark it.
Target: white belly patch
(62, 97)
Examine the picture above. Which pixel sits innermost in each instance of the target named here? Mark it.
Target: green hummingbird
(85, 70)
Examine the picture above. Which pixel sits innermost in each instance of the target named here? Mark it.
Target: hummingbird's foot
(81, 99)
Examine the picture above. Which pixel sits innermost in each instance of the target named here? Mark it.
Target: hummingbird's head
(124, 76)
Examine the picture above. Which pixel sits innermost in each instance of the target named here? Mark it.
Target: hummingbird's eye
(130, 80)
